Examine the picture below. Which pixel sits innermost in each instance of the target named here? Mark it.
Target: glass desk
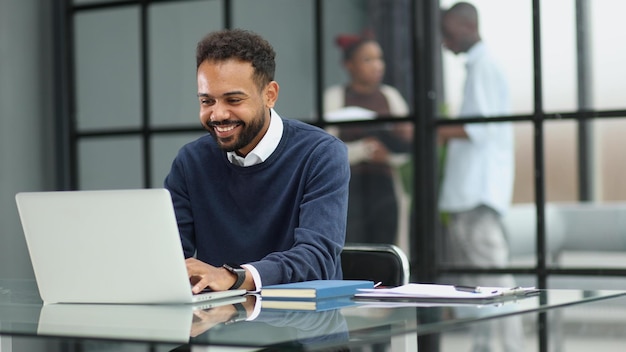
(25, 321)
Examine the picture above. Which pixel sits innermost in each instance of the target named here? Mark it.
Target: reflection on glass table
(23, 314)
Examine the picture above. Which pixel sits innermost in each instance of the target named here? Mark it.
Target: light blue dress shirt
(480, 169)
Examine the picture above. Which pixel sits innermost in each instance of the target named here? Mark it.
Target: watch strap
(239, 272)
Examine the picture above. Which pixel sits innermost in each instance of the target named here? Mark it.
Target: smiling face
(233, 108)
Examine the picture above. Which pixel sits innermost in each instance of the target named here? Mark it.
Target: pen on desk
(473, 289)
(378, 284)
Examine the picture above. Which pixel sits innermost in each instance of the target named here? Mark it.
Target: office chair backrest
(384, 263)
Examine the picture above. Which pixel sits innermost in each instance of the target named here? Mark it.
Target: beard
(248, 132)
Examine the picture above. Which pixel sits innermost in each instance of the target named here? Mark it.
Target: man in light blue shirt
(477, 183)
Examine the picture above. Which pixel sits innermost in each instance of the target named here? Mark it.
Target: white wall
(25, 120)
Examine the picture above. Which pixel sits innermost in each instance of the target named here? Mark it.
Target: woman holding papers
(377, 197)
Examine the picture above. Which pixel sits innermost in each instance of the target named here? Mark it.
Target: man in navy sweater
(260, 200)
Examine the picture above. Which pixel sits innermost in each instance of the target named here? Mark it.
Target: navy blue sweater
(285, 216)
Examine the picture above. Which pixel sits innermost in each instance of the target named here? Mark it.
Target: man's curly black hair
(241, 45)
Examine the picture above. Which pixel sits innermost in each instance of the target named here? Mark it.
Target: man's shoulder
(303, 127)
(300, 132)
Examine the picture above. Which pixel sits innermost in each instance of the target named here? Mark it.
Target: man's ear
(271, 94)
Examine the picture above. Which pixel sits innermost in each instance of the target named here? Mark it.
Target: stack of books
(316, 295)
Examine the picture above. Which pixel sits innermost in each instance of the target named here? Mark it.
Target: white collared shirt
(266, 145)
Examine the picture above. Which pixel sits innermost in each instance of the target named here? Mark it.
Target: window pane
(509, 40)
(590, 233)
(110, 163)
(386, 60)
(524, 180)
(340, 17)
(89, 2)
(475, 193)
(594, 235)
(108, 90)
(293, 41)
(380, 183)
(610, 166)
(558, 49)
(164, 150)
(561, 160)
(521, 228)
(561, 186)
(608, 54)
(175, 29)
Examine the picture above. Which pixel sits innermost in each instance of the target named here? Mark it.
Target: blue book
(315, 289)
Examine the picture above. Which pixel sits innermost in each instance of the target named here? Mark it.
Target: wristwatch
(237, 270)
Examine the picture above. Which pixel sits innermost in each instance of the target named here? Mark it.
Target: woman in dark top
(375, 203)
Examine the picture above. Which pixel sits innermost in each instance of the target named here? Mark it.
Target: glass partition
(108, 54)
(93, 2)
(379, 207)
(480, 227)
(363, 49)
(524, 179)
(607, 55)
(293, 41)
(174, 30)
(561, 160)
(508, 40)
(107, 66)
(367, 76)
(559, 59)
(164, 150)
(594, 233)
(610, 167)
(110, 163)
(340, 17)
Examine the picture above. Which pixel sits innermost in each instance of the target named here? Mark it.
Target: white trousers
(477, 238)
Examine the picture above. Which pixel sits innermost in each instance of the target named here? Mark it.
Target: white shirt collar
(266, 145)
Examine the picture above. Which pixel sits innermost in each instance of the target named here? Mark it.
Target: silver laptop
(146, 322)
(115, 246)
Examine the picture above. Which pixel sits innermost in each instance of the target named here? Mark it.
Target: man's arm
(320, 233)
(320, 221)
(203, 275)
(444, 133)
(175, 184)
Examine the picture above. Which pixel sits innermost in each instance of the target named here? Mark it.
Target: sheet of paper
(441, 291)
